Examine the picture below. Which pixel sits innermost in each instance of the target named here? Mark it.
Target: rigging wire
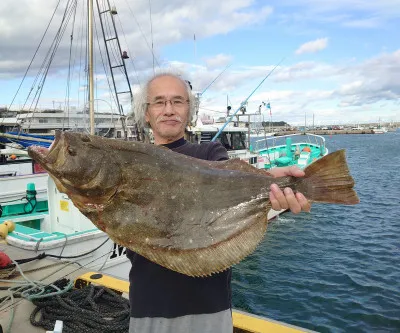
(81, 34)
(216, 78)
(151, 34)
(50, 55)
(106, 69)
(129, 51)
(34, 55)
(57, 40)
(245, 101)
(116, 53)
(67, 98)
(143, 35)
(42, 69)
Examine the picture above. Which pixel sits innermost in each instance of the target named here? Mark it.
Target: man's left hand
(286, 199)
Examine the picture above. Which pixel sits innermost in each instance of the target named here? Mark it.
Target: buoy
(13, 157)
(307, 149)
(4, 260)
(3, 231)
(10, 225)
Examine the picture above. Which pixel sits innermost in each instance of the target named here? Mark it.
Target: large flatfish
(192, 216)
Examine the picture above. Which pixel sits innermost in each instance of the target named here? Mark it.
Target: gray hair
(139, 104)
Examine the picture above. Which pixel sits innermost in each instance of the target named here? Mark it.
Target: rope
(88, 310)
(6, 272)
(31, 290)
(65, 264)
(10, 270)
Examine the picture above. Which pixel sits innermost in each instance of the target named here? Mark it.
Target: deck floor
(45, 270)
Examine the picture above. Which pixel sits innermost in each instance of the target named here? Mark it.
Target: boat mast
(91, 86)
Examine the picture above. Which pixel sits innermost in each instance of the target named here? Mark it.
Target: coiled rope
(91, 309)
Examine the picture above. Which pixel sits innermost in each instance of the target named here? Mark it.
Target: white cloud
(172, 22)
(337, 92)
(313, 46)
(220, 60)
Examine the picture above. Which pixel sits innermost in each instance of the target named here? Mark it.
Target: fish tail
(328, 180)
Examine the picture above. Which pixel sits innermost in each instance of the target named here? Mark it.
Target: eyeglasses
(177, 103)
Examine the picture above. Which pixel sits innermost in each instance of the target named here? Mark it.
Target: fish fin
(212, 259)
(328, 180)
(239, 165)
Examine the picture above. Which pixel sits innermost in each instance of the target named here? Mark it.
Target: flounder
(192, 216)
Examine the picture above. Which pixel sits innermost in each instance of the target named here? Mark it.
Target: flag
(268, 106)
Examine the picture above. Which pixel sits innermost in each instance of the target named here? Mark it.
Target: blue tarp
(26, 139)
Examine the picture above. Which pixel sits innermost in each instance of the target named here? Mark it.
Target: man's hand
(286, 199)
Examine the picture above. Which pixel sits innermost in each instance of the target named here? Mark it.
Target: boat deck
(48, 271)
(44, 270)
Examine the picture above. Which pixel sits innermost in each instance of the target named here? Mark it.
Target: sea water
(336, 269)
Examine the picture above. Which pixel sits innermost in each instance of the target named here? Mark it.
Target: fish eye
(71, 151)
(85, 138)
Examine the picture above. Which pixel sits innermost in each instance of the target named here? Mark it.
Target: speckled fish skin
(193, 216)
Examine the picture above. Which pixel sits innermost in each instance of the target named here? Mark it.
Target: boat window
(228, 138)
(233, 140)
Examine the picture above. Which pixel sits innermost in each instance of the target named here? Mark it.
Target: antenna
(151, 32)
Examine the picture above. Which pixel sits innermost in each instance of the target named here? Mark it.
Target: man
(164, 301)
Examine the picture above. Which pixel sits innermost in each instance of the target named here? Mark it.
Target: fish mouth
(46, 156)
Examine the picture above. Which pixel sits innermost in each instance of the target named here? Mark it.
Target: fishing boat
(379, 129)
(46, 221)
(287, 150)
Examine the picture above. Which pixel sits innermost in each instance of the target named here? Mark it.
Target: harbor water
(336, 269)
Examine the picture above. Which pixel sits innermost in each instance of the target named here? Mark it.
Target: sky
(331, 62)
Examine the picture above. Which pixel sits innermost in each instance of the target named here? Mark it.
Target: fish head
(80, 167)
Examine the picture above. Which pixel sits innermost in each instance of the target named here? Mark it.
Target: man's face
(167, 121)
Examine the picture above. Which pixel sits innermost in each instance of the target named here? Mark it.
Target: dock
(327, 132)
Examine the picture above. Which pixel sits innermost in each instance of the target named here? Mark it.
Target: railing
(275, 141)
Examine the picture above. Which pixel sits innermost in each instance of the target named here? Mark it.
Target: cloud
(341, 92)
(220, 60)
(372, 81)
(170, 23)
(313, 46)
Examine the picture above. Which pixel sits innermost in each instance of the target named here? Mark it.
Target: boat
(233, 138)
(379, 130)
(46, 221)
(300, 149)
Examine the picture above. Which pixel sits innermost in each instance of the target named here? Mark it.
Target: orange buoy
(13, 157)
(307, 149)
